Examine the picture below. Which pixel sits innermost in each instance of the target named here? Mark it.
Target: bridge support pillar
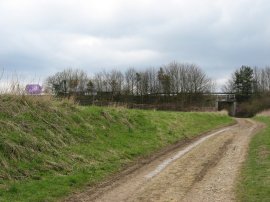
(216, 106)
(234, 105)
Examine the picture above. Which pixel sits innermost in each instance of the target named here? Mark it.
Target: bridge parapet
(226, 98)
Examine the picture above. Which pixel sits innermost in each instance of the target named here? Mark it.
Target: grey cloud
(47, 36)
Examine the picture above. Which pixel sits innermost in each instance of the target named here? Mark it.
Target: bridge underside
(230, 106)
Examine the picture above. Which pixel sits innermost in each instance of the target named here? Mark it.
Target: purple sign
(34, 89)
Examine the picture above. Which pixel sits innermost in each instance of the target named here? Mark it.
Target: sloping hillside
(49, 148)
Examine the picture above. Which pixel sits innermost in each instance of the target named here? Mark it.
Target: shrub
(254, 106)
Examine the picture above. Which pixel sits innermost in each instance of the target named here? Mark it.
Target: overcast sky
(41, 37)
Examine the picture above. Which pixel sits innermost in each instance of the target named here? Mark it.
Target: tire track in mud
(214, 161)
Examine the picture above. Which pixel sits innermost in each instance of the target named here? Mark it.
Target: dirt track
(204, 170)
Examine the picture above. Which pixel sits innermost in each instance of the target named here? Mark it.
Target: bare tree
(144, 83)
(67, 82)
(138, 83)
(98, 82)
(130, 81)
(115, 80)
(151, 74)
(173, 71)
(164, 81)
(261, 79)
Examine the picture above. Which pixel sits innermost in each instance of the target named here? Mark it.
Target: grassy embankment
(255, 178)
(48, 149)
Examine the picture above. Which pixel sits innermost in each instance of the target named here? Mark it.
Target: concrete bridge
(226, 101)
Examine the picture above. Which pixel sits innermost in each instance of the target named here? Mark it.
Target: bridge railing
(226, 98)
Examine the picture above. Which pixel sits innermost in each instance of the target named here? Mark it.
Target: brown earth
(203, 170)
(264, 113)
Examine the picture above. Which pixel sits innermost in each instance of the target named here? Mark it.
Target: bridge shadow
(226, 102)
(228, 106)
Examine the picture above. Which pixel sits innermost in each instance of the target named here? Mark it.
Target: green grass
(255, 180)
(49, 149)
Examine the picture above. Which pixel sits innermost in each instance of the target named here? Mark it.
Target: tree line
(174, 86)
(247, 82)
(173, 78)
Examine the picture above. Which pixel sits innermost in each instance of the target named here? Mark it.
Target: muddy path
(203, 170)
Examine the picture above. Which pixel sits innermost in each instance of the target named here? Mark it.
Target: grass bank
(255, 178)
(48, 149)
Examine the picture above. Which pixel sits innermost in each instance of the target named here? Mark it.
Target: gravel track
(203, 170)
